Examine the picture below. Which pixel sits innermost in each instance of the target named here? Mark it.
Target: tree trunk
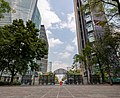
(1, 74)
(109, 73)
(110, 78)
(86, 70)
(101, 70)
(90, 75)
(12, 77)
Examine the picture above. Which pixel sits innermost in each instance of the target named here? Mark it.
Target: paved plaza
(71, 91)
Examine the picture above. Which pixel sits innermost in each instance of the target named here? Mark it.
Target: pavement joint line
(45, 94)
(69, 92)
(28, 96)
(58, 92)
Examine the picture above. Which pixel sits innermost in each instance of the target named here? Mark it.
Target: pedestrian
(60, 82)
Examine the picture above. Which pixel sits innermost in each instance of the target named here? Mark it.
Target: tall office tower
(23, 9)
(36, 18)
(80, 26)
(88, 29)
(44, 61)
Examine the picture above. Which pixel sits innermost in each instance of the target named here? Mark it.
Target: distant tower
(50, 66)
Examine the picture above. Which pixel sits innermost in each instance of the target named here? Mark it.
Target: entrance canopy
(60, 71)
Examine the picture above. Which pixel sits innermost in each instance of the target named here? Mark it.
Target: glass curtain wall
(23, 9)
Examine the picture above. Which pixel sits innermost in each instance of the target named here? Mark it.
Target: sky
(59, 20)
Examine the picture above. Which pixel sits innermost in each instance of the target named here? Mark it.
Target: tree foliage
(19, 45)
(109, 8)
(74, 72)
(4, 8)
(105, 51)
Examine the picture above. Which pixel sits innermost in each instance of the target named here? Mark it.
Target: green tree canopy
(109, 8)
(19, 45)
(4, 7)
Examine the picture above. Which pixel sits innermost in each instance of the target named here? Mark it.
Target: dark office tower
(43, 35)
(44, 61)
(80, 25)
(87, 24)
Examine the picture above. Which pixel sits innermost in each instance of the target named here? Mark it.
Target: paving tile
(67, 91)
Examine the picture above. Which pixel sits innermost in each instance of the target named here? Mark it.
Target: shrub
(2, 83)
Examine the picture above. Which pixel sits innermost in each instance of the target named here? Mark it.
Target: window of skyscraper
(89, 27)
(91, 37)
(84, 2)
(88, 18)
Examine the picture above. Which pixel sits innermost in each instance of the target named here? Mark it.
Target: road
(71, 91)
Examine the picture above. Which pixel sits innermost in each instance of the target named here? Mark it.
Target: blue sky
(59, 21)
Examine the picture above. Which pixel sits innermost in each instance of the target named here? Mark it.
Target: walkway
(78, 91)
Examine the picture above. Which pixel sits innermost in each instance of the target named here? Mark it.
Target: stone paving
(71, 91)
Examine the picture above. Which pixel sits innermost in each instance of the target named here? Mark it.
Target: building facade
(87, 25)
(25, 10)
(36, 18)
(22, 9)
(44, 61)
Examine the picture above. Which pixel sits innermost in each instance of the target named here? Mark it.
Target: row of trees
(105, 52)
(19, 46)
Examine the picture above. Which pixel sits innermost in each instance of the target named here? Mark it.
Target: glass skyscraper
(22, 9)
(25, 10)
(36, 18)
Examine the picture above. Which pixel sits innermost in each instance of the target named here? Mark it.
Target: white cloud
(48, 32)
(64, 55)
(49, 17)
(75, 41)
(62, 13)
(59, 64)
(70, 23)
(117, 30)
(69, 48)
(55, 52)
(53, 42)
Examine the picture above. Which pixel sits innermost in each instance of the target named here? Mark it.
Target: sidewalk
(74, 91)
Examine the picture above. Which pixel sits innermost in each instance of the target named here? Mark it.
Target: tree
(107, 50)
(109, 8)
(20, 45)
(107, 55)
(4, 8)
(104, 51)
(73, 72)
(85, 59)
